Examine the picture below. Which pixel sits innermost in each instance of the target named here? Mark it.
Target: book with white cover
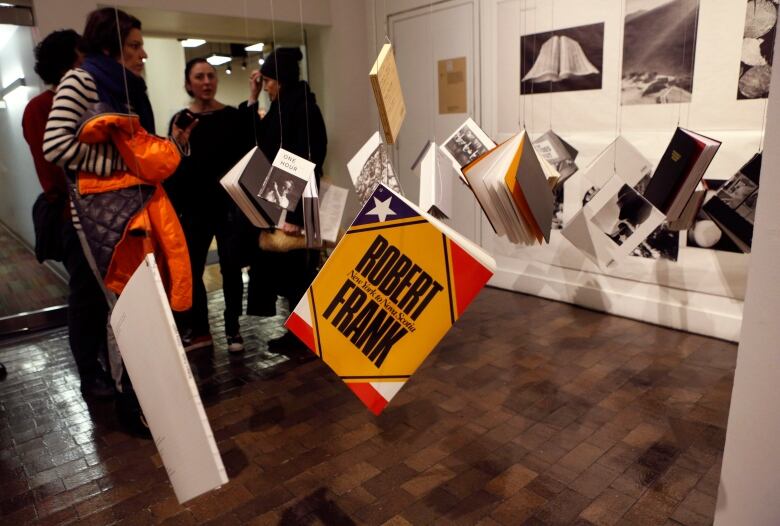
(157, 365)
(620, 158)
(371, 166)
(333, 201)
(436, 177)
(287, 180)
(466, 144)
(613, 223)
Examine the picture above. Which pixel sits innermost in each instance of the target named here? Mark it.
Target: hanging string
(523, 17)
(437, 172)
(308, 88)
(619, 107)
(253, 119)
(685, 45)
(276, 67)
(533, 84)
(693, 64)
(550, 92)
(763, 126)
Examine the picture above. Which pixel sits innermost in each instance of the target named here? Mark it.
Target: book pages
(333, 201)
(388, 94)
(155, 360)
(436, 177)
(371, 166)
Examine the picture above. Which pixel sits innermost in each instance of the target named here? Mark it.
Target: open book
(560, 57)
(733, 208)
(393, 287)
(244, 183)
(387, 92)
(679, 171)
(436, 178)
(511, 185)
(155, 360)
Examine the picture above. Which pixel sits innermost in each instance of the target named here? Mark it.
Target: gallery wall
(703, 290)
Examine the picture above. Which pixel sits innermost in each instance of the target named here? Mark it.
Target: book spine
(380, 102)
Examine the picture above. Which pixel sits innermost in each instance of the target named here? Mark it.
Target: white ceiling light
(261, 61)
(255, 47)
(6, 4)
(217, 60)
(192, 42)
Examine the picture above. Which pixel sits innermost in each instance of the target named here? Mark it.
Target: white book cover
(371, 166)
(333, 201)
(620, 158)
(231, 185)
(613, 223)
(466, 144)
(287, 180)
(436, 177)
(155, 360)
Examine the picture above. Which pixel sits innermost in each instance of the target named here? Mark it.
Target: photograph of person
(465, 146)
(622, 214)
(283, 189)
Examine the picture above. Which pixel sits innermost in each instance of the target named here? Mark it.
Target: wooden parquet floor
(25, 284)
(528, 412)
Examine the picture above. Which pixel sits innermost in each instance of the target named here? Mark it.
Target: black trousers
(200, 230)
(87, 309)
(286, 274)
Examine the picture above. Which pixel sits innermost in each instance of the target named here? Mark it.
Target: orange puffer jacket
(155, 226)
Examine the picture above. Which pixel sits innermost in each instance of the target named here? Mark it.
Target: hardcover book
(388, 94)
(733, 208)
(287, 180)
(371, 166)
(679, 171)
(146, 334)
(436, 177)
(395, 284)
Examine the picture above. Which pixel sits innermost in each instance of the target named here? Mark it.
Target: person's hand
(255, 85)
(182, 136)
(290, 229)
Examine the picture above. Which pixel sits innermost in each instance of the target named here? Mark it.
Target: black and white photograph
(736, 190)
(705, 233)
(663, 243)
(377, 169)
(283, 189)
(758, 43)
(558, 153)
(567, 59)
(557, 219)
(620, 217)
(465, 146)
(659, 48)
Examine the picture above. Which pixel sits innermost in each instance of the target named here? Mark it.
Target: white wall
(18, 181)
(164, 73)
(750, 478)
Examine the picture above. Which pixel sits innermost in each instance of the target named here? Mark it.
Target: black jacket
(294, 103)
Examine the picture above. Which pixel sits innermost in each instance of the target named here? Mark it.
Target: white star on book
(382, 209)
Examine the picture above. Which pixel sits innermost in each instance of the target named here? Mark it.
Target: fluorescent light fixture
(192, 42)
(6, 4)
(255, 47)
(218, 60)
(18, 83)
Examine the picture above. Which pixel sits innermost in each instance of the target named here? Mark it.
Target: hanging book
(389, 292)
(679, 171)
(510, 183)
(558, 153)
(157, 365)
(243, 184)
(620, 158)
(387, 92)
(466, 144)
(287, 180)
(333, 201)
(371, 166)
(615, 221)
(436, 178)
(311, 214)
(733, 208)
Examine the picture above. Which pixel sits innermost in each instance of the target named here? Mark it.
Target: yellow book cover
(389, 292)
(388, 94)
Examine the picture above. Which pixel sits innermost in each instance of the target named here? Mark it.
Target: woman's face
(271, 87)
(133, 53)
(202, 81)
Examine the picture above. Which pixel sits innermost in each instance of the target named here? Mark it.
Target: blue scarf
(109, 76)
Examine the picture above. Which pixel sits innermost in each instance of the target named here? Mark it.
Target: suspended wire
(550, 92)
(619, 94)
(693, 62)
(254, 118)
(522, 22)
(308, 90)
(276, 67)
(685, 45)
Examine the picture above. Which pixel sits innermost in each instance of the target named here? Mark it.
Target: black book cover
(251, 182)
(679, 157)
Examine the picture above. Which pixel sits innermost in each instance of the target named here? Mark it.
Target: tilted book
(287, 180)
(387, 92)
(395, 284)
(679, 171)
(157, 365)
(436, 178)
(243, 184)
(371, 166)
(733, 208)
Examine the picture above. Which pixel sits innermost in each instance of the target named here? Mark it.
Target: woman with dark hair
(293, 122)
(205, 210)
(119, 212)
(87, 309)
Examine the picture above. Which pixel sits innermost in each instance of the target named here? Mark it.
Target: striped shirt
(77, 94)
